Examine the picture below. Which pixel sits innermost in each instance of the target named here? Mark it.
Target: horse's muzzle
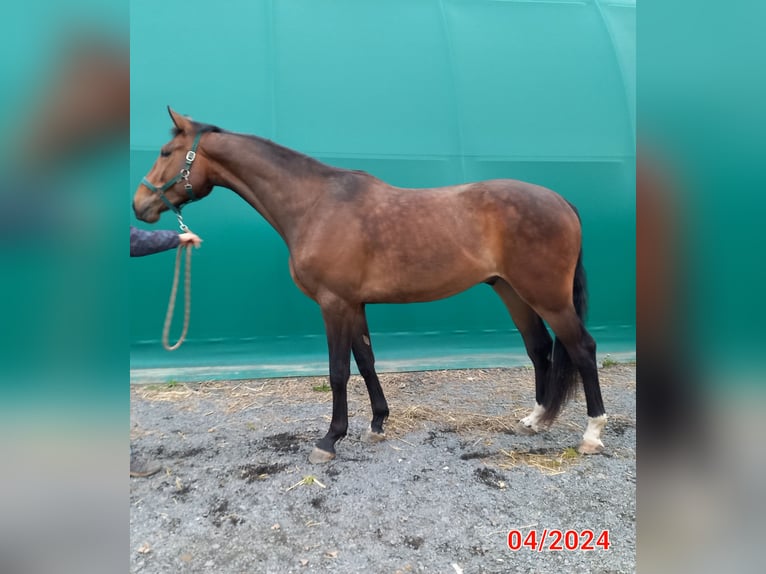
(145, 212)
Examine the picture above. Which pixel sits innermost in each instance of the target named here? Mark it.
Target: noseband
(183, 174)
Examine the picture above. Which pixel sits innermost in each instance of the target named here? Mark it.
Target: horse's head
(179, 175)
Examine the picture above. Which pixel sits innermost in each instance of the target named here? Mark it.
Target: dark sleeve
(143, 242)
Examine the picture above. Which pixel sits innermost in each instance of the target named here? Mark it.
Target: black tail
(580, 288)
(563, 375)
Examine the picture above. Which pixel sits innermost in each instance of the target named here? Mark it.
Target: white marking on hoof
(530, 424)
(372, 437)
(591, 439)
(319, 456)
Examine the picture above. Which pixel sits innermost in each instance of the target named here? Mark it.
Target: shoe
(141, 467)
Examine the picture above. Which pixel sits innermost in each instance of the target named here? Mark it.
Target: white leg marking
(591, 439)
(531, 422)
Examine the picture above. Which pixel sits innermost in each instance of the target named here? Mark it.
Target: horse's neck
(277, 186)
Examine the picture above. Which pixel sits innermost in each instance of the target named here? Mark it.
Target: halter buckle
(190, 155)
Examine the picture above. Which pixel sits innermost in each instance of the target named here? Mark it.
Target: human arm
(144, 242)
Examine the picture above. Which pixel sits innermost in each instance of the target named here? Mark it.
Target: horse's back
(485, 217)
(397, 244)
(498, 194)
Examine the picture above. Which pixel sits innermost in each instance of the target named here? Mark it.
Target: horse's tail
(563, 375)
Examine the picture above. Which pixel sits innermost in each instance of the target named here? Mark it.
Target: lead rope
(172, 302)
(174, 290)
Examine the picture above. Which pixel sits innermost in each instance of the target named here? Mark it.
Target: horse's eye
(164, 153)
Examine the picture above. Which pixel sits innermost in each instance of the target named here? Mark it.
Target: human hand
(190, 238)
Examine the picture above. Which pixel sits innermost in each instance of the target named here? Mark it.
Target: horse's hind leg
(365, 360)
(539, 345)
(581, 348)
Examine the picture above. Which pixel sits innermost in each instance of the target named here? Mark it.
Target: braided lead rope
(172, 302)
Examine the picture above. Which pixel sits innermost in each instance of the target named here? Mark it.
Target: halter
(183, 174)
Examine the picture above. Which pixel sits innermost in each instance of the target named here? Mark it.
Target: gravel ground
(238, 495)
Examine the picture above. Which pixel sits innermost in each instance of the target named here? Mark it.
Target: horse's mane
(279, 154)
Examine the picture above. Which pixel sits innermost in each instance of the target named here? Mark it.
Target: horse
(355, 240)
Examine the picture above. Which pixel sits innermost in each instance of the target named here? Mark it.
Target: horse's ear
(181, 122)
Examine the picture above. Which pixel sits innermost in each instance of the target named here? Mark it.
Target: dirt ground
(238, 495)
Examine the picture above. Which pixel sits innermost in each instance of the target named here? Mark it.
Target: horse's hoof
(319, 456)
(372, 437)
(523, 428)
(590, 447)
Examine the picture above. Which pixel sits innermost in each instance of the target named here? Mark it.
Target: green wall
(420, 93)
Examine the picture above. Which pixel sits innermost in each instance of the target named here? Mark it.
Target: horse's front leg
(361, 346)
(339, 322)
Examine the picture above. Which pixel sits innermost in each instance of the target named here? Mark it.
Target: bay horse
(355, 240)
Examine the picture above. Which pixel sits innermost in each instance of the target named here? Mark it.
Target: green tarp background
(419, 93)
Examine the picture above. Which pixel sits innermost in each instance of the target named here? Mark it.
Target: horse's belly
(404, 286)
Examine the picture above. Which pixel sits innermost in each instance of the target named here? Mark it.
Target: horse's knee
(339, 377)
